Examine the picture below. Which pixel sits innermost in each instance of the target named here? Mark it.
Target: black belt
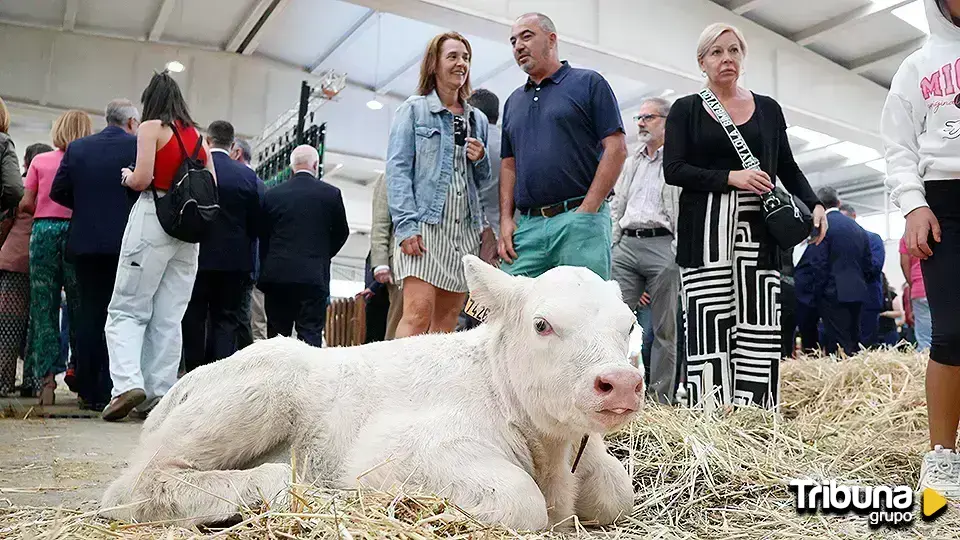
(553, 209)
(647, 233)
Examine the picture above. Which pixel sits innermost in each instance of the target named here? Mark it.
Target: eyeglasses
(647, 117)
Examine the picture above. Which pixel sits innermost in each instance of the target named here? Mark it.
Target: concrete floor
(62, 461)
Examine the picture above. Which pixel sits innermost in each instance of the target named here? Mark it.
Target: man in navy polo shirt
(563, 146)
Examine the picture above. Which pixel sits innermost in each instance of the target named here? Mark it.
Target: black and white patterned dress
(730, 264)
(448, 241)
(732, 306)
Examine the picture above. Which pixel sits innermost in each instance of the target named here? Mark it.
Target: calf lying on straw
(492, 418)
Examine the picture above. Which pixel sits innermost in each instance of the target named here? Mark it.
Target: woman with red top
(50, 271)
(156, 271)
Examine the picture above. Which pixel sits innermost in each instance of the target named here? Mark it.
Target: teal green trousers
(568, 239)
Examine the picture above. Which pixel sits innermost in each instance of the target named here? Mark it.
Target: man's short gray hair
(663, 105)
(304, 156)
(119, 111)
(245, 151)
(546, 23)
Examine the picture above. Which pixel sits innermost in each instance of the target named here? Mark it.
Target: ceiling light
(914, 14)
(374, 105)
(879, 165)
(814, 139)
(855, 152)
(667, 92)
(175, 66)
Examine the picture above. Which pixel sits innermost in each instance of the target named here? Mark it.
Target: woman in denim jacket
(436, 166)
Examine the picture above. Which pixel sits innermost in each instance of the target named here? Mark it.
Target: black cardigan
(698, 157)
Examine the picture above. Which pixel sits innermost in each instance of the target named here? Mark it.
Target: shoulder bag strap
(183, 150)
(739, 144)
(196, 151)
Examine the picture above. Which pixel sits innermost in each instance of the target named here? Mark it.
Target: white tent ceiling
(379, 43)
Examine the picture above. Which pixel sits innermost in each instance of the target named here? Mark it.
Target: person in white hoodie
(920, 127)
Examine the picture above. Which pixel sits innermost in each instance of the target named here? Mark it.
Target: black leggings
(941, 273)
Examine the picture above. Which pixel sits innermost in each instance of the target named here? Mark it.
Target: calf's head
(560, 346)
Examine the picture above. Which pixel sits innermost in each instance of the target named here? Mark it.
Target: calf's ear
(491, 287)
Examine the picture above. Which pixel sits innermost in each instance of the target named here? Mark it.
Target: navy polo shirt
(555, 130)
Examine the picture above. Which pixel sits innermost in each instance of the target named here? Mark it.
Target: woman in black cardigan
(729, 262)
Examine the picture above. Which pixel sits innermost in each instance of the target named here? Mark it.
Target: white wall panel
(23, 74)
(77, 82)
(577, 18)
(126, 16)
(248, 97)
(211, 82)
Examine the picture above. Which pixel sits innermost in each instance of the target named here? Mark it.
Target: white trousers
(154, 284)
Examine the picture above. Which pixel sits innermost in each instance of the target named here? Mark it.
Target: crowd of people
(678, 224)
(93, 286)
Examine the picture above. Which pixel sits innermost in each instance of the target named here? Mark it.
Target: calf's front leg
(605, 491)
(551, 459)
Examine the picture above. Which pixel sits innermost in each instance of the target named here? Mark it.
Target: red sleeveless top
(169, 157)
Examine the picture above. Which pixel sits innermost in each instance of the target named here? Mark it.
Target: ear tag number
(476, 310)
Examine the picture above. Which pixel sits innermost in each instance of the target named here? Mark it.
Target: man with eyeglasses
(644, 212)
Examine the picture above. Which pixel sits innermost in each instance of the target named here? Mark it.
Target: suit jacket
(875, 299)
(88, 182)
(381, 227)
(229, 242)
(304, 225)
(808, 283)
(845, 263)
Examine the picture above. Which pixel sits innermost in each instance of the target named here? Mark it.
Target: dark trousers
(788, 318)
(217, 295)
(377, 309)
(841, 326)
(808, 317)
(287, 304)
(245, 331)
(869, 327)
(95, 280)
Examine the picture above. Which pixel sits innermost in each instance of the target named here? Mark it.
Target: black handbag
(788, 222)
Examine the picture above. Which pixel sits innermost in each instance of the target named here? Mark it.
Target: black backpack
(193, 202)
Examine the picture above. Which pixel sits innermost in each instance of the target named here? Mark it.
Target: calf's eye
(542, 326)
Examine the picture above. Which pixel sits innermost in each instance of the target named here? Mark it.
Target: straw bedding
(858, 421)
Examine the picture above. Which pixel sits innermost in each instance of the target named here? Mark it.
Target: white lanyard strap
(746, 156)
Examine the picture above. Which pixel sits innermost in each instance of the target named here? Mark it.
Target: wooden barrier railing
(346, 322)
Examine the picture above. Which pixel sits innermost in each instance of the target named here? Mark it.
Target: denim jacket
(420, 165)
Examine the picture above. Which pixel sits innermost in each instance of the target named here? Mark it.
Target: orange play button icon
(933, 503)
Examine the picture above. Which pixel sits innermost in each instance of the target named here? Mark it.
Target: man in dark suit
(225, 263)
(88, 182)
(303, 227)
(808, 288)
(377, 304)
(873, 305)
(242, 153)
(846, 266)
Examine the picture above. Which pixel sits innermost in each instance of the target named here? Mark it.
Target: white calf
(491, 418)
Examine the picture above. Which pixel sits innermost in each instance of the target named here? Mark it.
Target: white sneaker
(941, 472)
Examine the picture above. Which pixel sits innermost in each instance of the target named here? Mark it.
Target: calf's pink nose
(619, 388)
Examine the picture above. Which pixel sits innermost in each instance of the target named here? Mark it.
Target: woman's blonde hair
(713, 32)
(69, 127)
(428, 68)
(4, 117)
